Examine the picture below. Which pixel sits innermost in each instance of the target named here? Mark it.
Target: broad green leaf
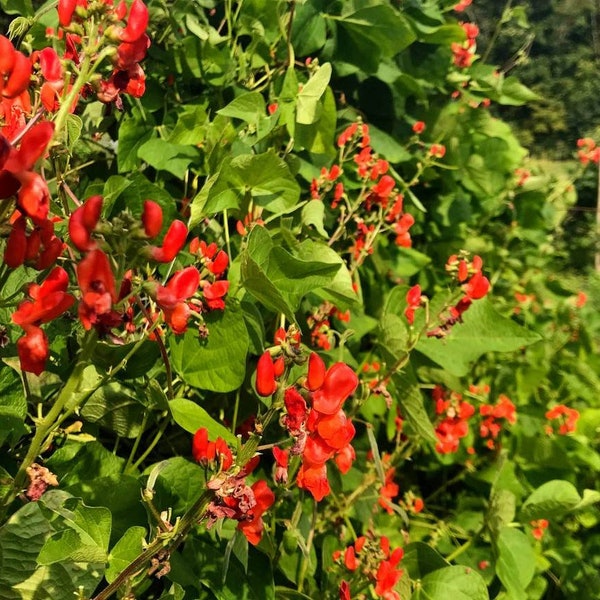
(166, 156)
(515, 565)
(310, 94)
(124, 551)
(191, 417)
(309, 32)
(248, 107)
(456, 583)
(190, 129)
(21, 539)
(133, 133)
(83, 534)
(420, 559)
(385, 145)
(264, 178)
(483, 330)
(340, 289)
(318, 137)
(179, 484)
(74, 127)
(278, 279)
(514, 93)
(411, 403)
(13, 407)
(17, 7)
(175, 592)
(551, 499)
(371, 33)
(218, 363)
(313, 215)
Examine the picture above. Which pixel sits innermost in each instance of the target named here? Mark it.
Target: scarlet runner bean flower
(323, 431)
(564, 417)
(172, 297)
(48, 301)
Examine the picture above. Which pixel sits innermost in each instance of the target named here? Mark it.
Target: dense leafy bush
(283, 312)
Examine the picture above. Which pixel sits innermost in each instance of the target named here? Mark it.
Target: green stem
(151, 446)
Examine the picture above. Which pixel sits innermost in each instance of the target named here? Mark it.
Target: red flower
(265, 375)
(206, 453)
(83, 221)
(316, 372)
(66, 8)
(49, 300)
(173, 242)
(172, 297)
(33, 350)
(253, 527)
(339, 383)
(418, 127)
(152, 218)
(281, 461)
(314, 479)
(136, 22)
(213, 294)
(97, 284)
(413, 301)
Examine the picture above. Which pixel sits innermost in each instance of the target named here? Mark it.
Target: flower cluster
(234, 498)
(453, 419)
(588, 151)
(491, 426)
(90, 26)
(563, 420)
(374, 561)
(463, 54)
(539, 528)
(473, 284)
(319, 322)
(322, 430)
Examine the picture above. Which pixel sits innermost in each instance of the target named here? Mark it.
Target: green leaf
(13, 409)
(179, 484)
(124, 551)
(191, 417)
(218, 363)
(133, 133)
(340, 289)
(22, 538)
(483, 330)
(370, 34)
(248, 107)
(456, 583)
(264, 178)
(313, 215)
(515, 565)
(17, 7)
(190, 129)
(551, 499)
(310, 94)
(309, 31)
(83, 536)
(420, 559)
(411, 403)
(166, 156)
(514, 93)
(117, 408)
(276, 278)
(74, 127)
(318, 137)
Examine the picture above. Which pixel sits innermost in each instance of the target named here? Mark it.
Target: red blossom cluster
(539, 528)
(563, 420)
(453, 419)
(106, 304)
(491, 426)
(118, 26)
(463, 54)
(588, 151)
(374, 561)
(474, 285)
(319, 322)
(321, 429)
(462, 5)
(47, 301)
(234, 498)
